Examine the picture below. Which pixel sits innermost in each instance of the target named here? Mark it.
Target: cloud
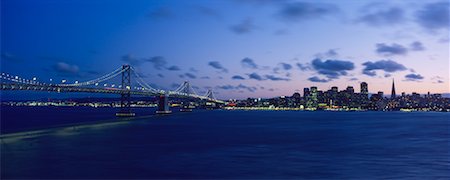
(246, 26)
(130, 59)
(274, 78)
(248, 63)
(255, 76)
(331, 52)
(439, 81)
(204, 77)
(332, 68)
(384, 65)
(383, 16)
(317, 79)
(353, 79)
(160, 75)
(434, 16)
(173, 68)
(237, 77)
(217, 65)
(417, 46)
(158, 62)
(189, 75)
(193, 70)
(413, 77)
(225, 87)
(209, 12)
(393, 49)
(286, 66)
(160, 13)
(300, 11)
(66, 69)
(238, 87)
(303, 67)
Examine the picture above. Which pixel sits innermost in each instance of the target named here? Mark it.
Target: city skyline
(238, 48)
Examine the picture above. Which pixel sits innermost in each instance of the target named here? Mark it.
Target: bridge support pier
(187, 107)
(210, 105)
(163, 105)
(125, 96)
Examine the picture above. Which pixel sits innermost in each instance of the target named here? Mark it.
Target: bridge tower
(125, 96)
(163, 104)
(210, 104)
(187, 104)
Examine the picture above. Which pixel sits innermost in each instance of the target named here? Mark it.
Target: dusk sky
(240, 48)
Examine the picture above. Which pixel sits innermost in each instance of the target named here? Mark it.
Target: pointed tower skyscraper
(393, 90)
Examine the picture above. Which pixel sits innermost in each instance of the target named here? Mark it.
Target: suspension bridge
(125, 88)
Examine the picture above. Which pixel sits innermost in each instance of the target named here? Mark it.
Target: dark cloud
(353, 79)
(274, 78)
(158, 62)
(439, 81)
(225, 87)
(217, 65)
(286, 66)
(189, 75)
(246, 26)
(317, 79)
(249, 63)
(204, 77)
(417, 46)
(210, 12)
(255, 76)
(393, 49)
(327, 54)
(248, 88)
(383, 16)
(193, 70)
(299, 11)
(65, 69)
(237, 77)
(434, 16)
(131, 60)
(238, 87)
(413, 77)
(160, 13)
(384, 65)
(332, 68)
(173, 68)
(387, 75)
(331, 53)
(303, 67)
(160, 75)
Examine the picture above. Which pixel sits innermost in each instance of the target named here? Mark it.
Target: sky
(239, 48)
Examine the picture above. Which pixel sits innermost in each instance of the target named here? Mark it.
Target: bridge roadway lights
(163, 105)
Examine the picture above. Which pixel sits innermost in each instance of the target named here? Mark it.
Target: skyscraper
(393, 90)
(364, 88)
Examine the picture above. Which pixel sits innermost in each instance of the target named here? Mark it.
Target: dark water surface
(237, 144)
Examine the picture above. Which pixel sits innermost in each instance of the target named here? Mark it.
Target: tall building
(364, 88)
(305, 92)
(334, 89)
(350, 89)
(393, 90)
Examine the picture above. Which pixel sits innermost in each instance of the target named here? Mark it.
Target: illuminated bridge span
(125, 88)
